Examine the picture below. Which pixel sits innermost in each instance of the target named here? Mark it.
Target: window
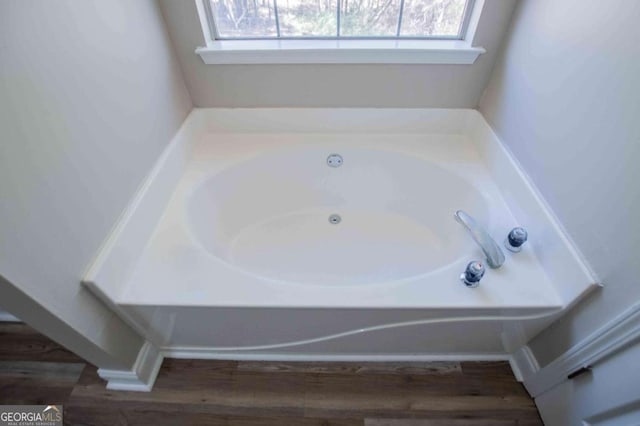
(338, 19)
(339, 31)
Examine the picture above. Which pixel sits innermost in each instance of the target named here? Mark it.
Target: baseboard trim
(614, 336)
(143, 374)
(203, 353)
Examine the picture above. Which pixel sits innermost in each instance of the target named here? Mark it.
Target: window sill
(339, 52)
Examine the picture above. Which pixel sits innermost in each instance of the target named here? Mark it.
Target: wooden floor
(34, 370)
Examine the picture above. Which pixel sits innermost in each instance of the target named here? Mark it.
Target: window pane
(307, 18)
(369, 17)
(244, 18)
(318, 18)
(432, 17)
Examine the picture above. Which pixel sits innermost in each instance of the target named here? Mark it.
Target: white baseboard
(204, 353)
(621, 332)
(141, 377)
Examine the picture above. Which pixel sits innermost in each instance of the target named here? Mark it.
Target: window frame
(457, 49)
(462, 29)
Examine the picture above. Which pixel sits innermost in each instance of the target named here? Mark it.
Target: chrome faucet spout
(492, 251)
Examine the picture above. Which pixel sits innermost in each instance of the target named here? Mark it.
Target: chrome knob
(516, 238)
(473, 274)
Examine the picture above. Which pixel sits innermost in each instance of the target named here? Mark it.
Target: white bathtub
(228, 251)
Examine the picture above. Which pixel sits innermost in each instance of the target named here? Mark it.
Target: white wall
(565, 98)
(90, 93)
(333, 85)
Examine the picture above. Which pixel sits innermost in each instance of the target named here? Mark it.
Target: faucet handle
(473, 274)
(516, 238)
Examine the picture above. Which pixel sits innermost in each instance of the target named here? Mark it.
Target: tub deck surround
(239, 256)
(245, 223)
(238, 194)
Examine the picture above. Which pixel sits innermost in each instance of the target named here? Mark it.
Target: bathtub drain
(335, 160)
(335, 219)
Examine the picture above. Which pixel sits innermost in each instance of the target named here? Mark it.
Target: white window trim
(343, 51)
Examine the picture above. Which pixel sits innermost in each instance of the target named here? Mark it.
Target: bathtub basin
(270, 216)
